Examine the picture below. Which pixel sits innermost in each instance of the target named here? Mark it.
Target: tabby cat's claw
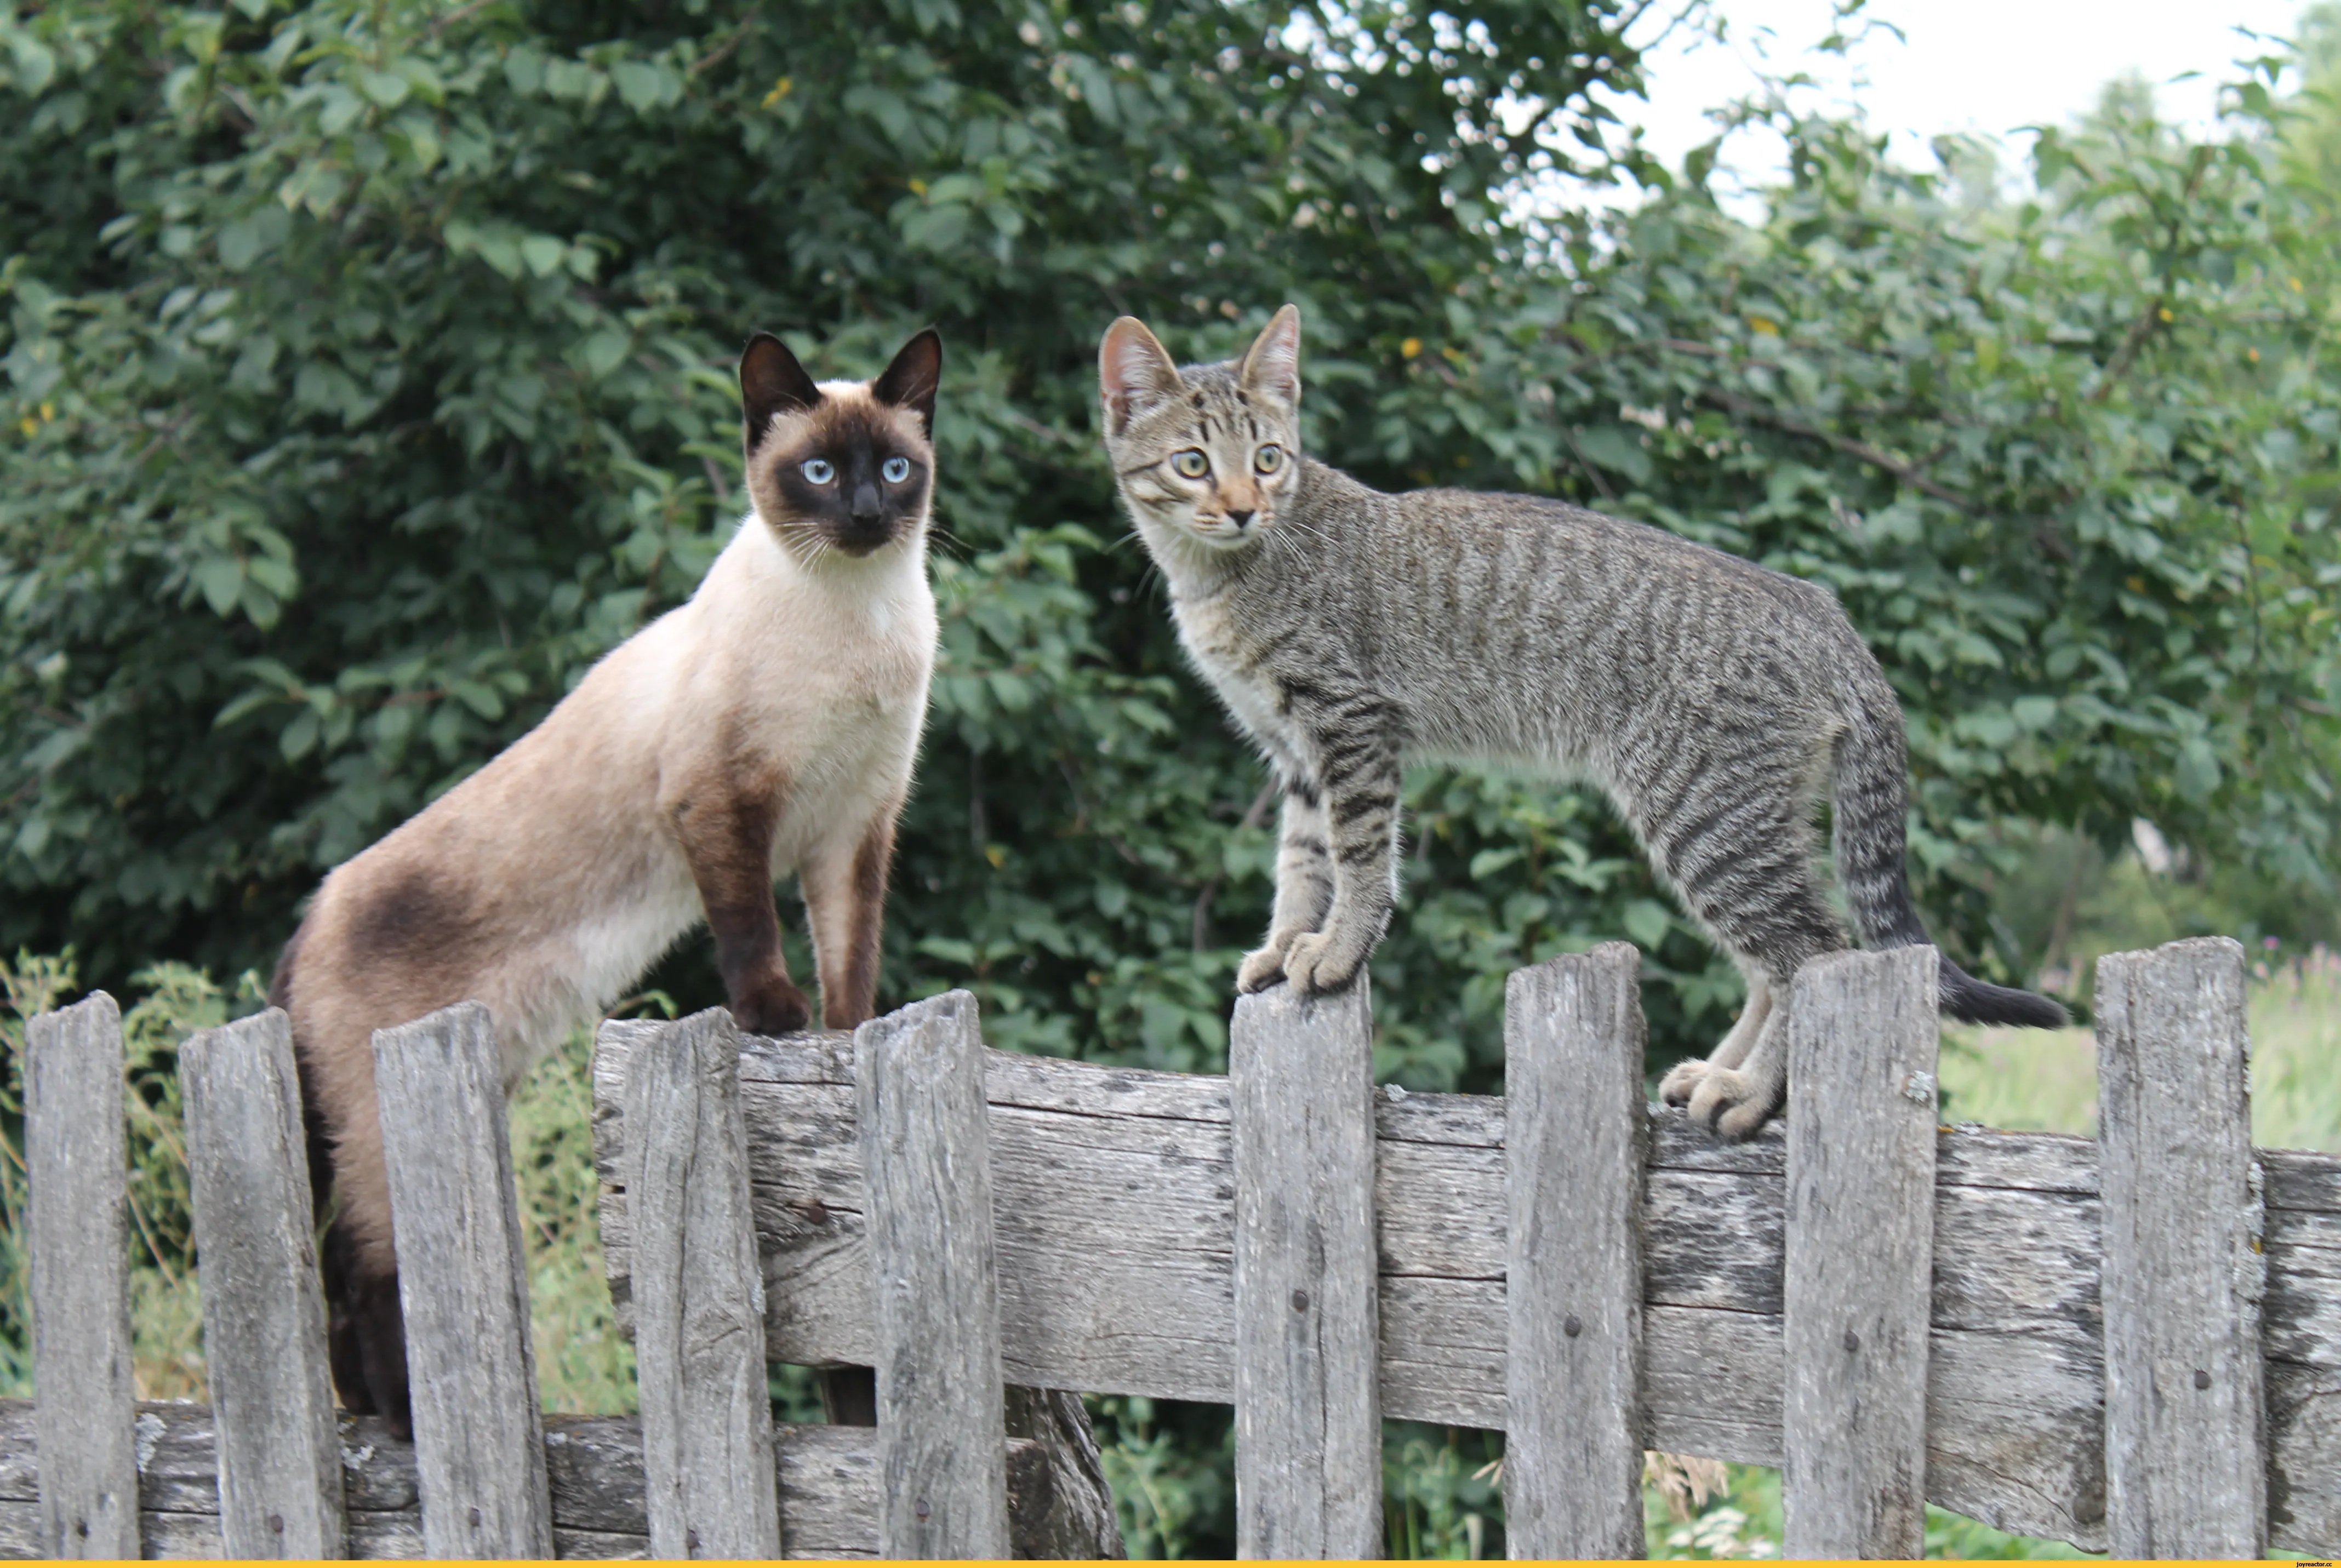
(1733, 1104)
(1315, 967)
(1682, 1082)
(1261, 969)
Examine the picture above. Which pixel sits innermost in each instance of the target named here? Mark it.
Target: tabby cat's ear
(771, 382)
(1133, 373)
(1273, 364)
(911, 379)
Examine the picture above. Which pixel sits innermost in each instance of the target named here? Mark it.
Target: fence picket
(280, 1455)
(2186, 1426)
(1574, 1129)
(1309, 1431)
(479, 1438)
(74, 1154)
(926, 1163)
(698, 1297)
(1858, 1285)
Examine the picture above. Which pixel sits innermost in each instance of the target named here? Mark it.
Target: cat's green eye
(1189, 463)
(1269, 459)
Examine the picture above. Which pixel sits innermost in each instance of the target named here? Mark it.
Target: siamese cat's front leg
(727, 838)
(1304, 885)
(845, 905)
(1359, 765)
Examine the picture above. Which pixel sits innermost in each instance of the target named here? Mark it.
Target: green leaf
(1647, 921)
(220, 580)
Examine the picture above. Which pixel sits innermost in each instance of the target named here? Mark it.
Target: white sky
(1975, 65)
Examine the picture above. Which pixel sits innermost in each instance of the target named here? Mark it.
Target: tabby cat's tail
(1873, 769)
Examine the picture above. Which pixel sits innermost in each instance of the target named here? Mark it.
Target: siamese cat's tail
(1873, 772)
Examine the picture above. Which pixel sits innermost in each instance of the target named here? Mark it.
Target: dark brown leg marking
(849, 979)
(728, 841)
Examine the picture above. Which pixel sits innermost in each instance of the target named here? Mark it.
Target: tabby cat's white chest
(1208, 630)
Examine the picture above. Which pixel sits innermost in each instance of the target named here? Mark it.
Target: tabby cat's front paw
(1734, 1104)
(1316, 964)
(1263, 968)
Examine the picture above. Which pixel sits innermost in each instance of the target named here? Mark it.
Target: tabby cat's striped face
(1203, 455)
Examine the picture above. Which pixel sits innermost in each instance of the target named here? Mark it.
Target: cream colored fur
(559, 866)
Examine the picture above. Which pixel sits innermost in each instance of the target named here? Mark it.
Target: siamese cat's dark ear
(1133, 373)
(913, 379)
(1273, 364)
(771, 383)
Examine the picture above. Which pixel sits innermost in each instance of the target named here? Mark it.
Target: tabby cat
(1349, 631)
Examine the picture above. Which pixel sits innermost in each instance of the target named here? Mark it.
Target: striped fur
(1351, 632)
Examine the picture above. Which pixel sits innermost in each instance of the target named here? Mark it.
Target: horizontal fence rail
(1114, 1189)
(826, 1478)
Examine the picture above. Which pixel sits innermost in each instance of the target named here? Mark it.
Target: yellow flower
(2165, 313)
(997, 854)
(918, 187)
(2296, 284)
(2255, 354)
(49, 412)
(1766, 325)
(781, 89)
(1411, 347)
(29, 425)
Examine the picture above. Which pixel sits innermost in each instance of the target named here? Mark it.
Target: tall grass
(2047, 1081)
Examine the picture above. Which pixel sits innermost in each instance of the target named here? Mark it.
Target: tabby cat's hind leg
(1682, 1082)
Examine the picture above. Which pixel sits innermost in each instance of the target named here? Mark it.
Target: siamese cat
(1348, 632)
(765, 728)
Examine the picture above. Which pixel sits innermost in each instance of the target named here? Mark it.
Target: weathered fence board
(1115, 1228)
(1574, 1169)
(1859, 1254)
(2185, 1471)
(927, 1165)
(75, 1150)
(280, 1463)
(699, 1299)
(1308, 1425)
(827, 1482)
(464, 1285)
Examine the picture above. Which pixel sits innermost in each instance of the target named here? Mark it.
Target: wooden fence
(271, 1470)
(2136, 1346)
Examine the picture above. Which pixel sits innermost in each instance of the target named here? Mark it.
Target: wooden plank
(280, 1465)
(699, 1298)
(828, 1483)
(2014, 1305)
(1573, 1038)
(927, 1168)
(1861, 1252)
(2186, 1424)
(1308, 1422)
(79, 1243)
(479, 1438)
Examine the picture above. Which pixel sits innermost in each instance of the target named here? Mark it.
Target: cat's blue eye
(817, 471)
(895, 470)
(1189, 463)
(1269, 458)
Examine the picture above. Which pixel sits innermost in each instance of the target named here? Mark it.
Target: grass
(1170, 1465)
(2040, 1081)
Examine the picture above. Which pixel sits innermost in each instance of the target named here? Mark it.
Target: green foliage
(166, 1316)
(368, 376)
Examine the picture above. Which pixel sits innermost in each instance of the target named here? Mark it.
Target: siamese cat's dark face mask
(843, 466)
